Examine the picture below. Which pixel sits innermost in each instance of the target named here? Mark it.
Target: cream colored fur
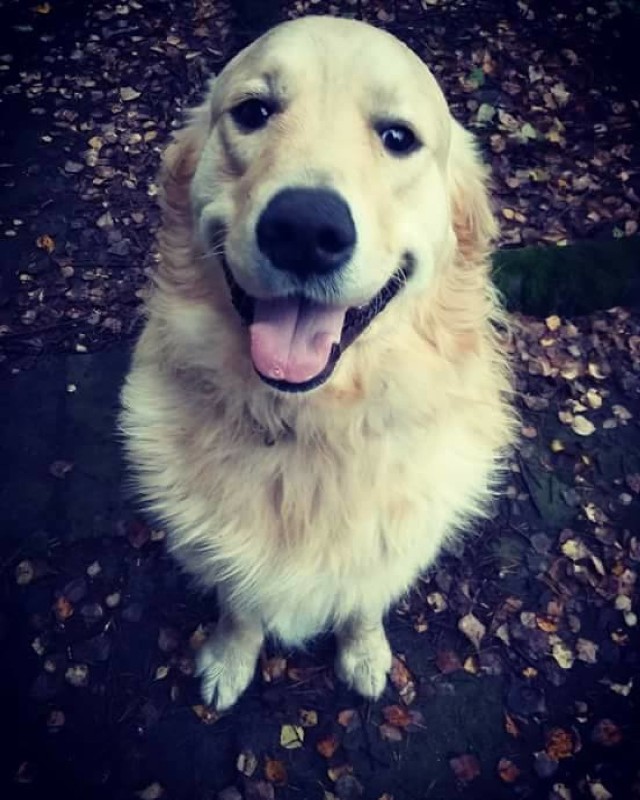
(317, 511)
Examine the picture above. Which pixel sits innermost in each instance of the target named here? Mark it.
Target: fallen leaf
(448, 661)
(485, 113)
(327, 746)
(77, 675)
(274, 669)
(397, 715)
(25, 573)
(205, 713)
(582, 426)
(562, 654)
(472, 628)
(466, 767)
(390, 733)
(575, 549)
(587, 651)
(46, 243)
(63, 609)
(510, 726)
(606, 733)
(546, 623)
(275, 771)
(128, 93)
(247, 763)
(437, 602)
(507, 770)
(291, 736)
(553, 322)
(403, 680)
(559, 744)
(308, 718)
(336, 772)
(599, 791)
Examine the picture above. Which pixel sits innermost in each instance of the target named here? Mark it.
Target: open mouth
(297, 342)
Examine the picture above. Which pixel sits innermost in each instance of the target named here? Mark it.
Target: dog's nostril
(330, 241)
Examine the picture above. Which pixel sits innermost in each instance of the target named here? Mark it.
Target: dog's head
(326, 176)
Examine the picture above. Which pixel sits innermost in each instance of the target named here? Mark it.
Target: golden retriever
(318, 399)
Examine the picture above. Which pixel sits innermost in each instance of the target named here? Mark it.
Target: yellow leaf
(291, 736)
(582, 426)
(42, 8)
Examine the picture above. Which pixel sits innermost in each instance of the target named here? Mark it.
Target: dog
(320, 397)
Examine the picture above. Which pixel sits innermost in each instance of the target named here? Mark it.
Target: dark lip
(356, 320)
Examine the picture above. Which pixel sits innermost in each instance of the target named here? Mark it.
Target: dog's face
(323, 188)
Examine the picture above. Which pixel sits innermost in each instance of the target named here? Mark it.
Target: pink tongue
(291, 339)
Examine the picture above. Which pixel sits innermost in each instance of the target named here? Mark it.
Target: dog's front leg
(227, 661)
(364, 656)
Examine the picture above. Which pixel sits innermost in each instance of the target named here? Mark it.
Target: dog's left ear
(474, 225)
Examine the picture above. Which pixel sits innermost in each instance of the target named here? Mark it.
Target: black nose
(306, 231)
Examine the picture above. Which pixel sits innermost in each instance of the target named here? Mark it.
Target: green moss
(576, 279)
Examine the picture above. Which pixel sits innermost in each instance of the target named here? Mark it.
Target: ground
(516, 655)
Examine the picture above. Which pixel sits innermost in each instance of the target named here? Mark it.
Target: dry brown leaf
(507, 770)
(403, 680)
(327, 746)
(448, 661)
(510, 726)
(63, 609)
(397, 715)
(205, 714)
(466, 767)
(559, 744)
(46, 243)
(275, 771)
(606, 733)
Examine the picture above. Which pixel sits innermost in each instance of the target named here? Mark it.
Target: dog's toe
(363, 665)
(226, 670)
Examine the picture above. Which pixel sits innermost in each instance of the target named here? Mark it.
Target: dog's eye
(398, 139)
(251, 114)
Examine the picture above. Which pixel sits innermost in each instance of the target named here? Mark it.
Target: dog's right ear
(180, 160)
(178, 166)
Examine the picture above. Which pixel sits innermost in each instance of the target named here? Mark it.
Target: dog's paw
(226, 669)
(363, 664)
